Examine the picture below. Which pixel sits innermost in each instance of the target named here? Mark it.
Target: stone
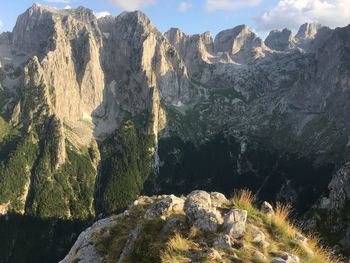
(266, 208)
(259, 256)
(286, 258)
(258, 236)
(199, 211)
(235, 223)
(170, 204)
(222, 241)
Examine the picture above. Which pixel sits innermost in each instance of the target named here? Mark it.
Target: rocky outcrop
(176, 233)
(166, 206)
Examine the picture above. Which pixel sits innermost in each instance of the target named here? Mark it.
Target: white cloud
(67, 7)
(58, 1)
(293, 13)
(184, 7)
(131, 5)
(102, 14)
(219, 5)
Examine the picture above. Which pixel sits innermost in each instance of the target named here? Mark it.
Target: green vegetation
(67, 191)
(6, 130)
(17, 158)
(126, 164)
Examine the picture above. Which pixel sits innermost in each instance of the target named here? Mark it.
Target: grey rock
(266, 208)
(258, 237)
(83, 248)
(222, 241)
(164, 207)
(286, 258)
(199, 211)
(235, 223)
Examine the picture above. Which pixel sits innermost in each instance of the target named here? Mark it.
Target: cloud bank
(293, 13)
(131, 5)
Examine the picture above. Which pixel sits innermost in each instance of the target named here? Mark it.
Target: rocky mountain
(95, 112)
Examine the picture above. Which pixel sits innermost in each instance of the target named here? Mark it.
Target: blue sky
(197, 16)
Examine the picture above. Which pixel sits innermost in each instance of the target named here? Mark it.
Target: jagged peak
(231, 40)
(207, 34)
(280, 39)
(234, 31)
(308, 30)
(138, 15)
(174, 32)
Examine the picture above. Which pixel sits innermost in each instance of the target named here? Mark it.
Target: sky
(198, 16)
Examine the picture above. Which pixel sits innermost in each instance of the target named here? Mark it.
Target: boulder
(199, 211)
(165, 206)
(257, 255)
(267, 208)
(222, 241)
(206, 223)
(235, 223)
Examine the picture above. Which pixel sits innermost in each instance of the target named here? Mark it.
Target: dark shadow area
(26, 239)
(219, 165)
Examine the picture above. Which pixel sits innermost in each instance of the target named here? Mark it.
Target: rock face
(240, 43)
(192, 49)
(280, 40)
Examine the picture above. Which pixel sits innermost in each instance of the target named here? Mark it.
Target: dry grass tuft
(194, 233)
(176, 249)
(243, 199)
(178, 243)
(321, 253)
(280, 223)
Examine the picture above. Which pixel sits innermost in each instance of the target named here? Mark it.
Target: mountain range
(95, 112)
